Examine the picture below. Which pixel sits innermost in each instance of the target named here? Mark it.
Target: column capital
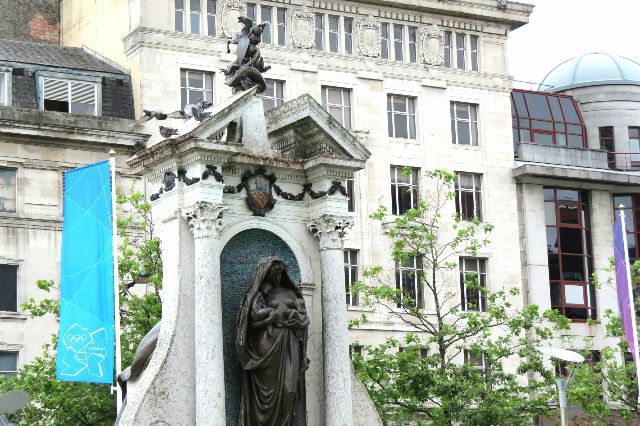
(204, 218)
(330, 230)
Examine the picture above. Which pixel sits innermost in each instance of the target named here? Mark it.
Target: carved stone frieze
(330, 230)
(303, 29)
(368, 37)
(230, 11)
(205, 219)
(431, 45)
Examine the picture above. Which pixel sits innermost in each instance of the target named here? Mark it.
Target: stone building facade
(43, 89)
(30, 20)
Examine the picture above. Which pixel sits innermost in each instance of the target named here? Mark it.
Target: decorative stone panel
(368, 37)
(302, 25)
(431, 45)
(230, 11)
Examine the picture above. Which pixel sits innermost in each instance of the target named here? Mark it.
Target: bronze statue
(246, 71)
(271, 345)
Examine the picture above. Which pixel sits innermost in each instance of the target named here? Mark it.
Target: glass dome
(591, 69)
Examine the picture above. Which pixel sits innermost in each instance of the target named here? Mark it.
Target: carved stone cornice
(205, 219)
(330, 230)
(431, 45)
(368, 37)
(302, 23)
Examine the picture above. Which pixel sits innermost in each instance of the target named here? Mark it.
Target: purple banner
(623, 285)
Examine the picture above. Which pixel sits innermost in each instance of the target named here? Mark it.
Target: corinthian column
(337, 364)
(205, 221)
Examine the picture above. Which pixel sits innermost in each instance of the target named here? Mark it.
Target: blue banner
(86, 337)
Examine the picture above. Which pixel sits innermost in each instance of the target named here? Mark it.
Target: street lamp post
(563, 382)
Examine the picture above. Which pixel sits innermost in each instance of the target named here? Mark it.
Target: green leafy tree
(59, 403)
(421, 378)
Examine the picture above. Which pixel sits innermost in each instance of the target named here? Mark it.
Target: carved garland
(431, 44)
(169, 179)
(368, 37)
(168, 183)
(302, 24)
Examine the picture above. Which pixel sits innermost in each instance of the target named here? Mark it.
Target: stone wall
(30, 20)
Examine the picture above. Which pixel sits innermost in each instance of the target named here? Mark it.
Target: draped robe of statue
(270, 347)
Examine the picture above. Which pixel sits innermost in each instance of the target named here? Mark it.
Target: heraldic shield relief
(259, 185)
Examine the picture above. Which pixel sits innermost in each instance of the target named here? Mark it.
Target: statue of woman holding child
(271, 344)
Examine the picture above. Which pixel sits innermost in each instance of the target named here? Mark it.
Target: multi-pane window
(413, 44)
(282, 26)
(477, 360)
(607, 143)
(546, 119)
(447, 49)
(461, 51)
(474, 53)
(195, 14)
(404, 189)
(464, 123)
(8, 363)
(211, 17)
(634, 145)
(468, 196)
(334, 33)
(7, 190)
(384, 40)
(569, 252)
(337, 102)
(251, 11)
(473, 280)
(179, 15)
(401, 117)
(631, 203)
(350, 185)
(265, 17)
(195, 86)
(8, 288)
(408, 283)
(74, 96)
(319, 32)
(348, 35)
(274, 95)
(398, 42)
(351, 276)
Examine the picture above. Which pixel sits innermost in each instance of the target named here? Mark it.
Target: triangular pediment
(302, 129)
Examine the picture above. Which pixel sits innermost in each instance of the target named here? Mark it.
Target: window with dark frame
(355, 349)
(337, 102)
(634, 145)
(350, 185)
(461, 51)
(211, 17)
(468, 196)
(265, 17)
(8, 190)
(413, 45)
(195, 14)
(351, 276)
(408, 283)
(398, 42)
(282, 26)
(195, 86)
(401, 117)
(251, 11)
(319, 32)
(8, 363)
(473, 280)
(569, 252)
(334, 33)
(464, 123)
(631, 203)
(348, 35)
(447, 49)
(546, 119)
(607, 143)
(405, 190)
(273, 96)
(72, 96)
(8, 288)
(384, 40)
(179, 15)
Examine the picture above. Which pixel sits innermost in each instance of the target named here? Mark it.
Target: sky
(562, 29)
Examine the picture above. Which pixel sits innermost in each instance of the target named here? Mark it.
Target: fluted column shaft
(205, 220)
(337, 363)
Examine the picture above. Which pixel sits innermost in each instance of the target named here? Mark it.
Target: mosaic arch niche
(237, 261)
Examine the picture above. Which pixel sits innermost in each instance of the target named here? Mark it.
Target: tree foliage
(59, 403)
(421, 378)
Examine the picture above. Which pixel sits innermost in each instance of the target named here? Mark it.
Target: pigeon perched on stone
(187, 112)
(198, 114)
(148, 115)
(202, 104)
(140, 146)
(167, 132)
